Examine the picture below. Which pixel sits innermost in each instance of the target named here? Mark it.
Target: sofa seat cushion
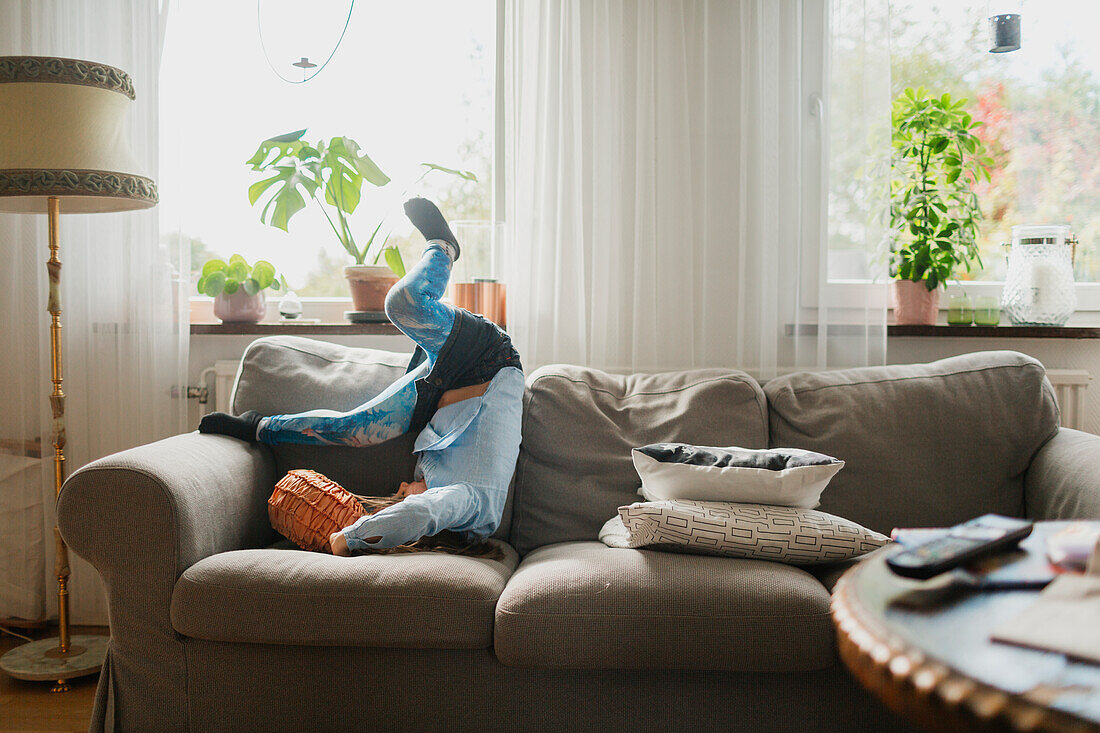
(585, 605)
(423, 600)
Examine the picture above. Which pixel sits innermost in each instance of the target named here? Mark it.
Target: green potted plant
(934, 213)
(331, 174)
(238, 288)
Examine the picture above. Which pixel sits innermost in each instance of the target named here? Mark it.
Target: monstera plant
(331, 174)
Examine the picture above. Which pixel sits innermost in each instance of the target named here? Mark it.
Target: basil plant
(934, 213)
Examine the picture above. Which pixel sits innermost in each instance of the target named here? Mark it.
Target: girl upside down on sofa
(462, 391)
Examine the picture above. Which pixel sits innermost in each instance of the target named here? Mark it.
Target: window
(1041, 109)
(412, 82)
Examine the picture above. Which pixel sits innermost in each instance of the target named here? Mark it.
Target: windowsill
(319, 315)
(1005, 331)
(945, 331)
(290, 327)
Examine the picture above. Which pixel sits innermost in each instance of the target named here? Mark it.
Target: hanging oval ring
(318, 68)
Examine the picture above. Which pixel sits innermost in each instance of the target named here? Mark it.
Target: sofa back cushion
(579, 426)
(289, 374)
(924, 444)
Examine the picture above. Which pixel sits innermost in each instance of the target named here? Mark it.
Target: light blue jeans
(414, 306)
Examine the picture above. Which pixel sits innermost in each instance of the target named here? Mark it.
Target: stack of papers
(1064, 618)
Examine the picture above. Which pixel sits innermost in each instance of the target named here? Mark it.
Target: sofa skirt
(255, 687)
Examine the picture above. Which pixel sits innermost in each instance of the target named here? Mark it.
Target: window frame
(325, 307)
(814, 88)
(816, 39)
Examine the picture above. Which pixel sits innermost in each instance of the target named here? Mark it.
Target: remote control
(985, 535)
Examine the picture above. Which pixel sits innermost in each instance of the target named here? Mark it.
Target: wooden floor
(30, 706)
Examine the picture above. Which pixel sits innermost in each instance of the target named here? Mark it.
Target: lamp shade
(64, 132)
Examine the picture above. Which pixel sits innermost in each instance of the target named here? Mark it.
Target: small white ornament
(290, 307)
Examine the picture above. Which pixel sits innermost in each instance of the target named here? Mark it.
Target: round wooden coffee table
(924, 649)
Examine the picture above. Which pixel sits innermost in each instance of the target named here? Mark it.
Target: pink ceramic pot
(914, 304)
(240, 307)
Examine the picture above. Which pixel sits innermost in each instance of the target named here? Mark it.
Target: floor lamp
(64, 146)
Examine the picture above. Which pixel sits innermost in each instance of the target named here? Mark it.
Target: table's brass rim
(926, 689)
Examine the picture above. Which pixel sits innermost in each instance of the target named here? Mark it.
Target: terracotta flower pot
(369, 285)
(240, 307)
(914, 304)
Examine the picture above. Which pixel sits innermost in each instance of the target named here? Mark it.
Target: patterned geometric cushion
(755, 531)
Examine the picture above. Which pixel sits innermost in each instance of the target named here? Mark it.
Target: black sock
(425, 217)
(241, 427)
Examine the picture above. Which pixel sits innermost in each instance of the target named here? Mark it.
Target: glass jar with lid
(1039, 288)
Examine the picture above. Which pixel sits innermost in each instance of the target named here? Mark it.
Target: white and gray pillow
(778, 476)
(789, 535)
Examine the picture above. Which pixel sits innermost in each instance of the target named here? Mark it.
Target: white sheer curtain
(125, 336)
(665, 182)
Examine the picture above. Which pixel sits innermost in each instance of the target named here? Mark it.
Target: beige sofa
(217, 625)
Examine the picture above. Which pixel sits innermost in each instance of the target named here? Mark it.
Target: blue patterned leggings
(414, 306)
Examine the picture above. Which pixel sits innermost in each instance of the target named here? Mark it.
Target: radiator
(1069, 388)
(225, 372)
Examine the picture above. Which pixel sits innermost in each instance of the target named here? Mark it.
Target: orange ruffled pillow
(306, 507)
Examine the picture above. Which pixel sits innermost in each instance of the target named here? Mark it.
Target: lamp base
(39, 661)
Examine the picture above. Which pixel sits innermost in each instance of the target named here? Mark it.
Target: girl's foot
(339, 544)
(425, 217)
(243, 427)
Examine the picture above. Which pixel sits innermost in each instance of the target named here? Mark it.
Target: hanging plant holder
(1004, 25)
(1004, 33)
(308, 67)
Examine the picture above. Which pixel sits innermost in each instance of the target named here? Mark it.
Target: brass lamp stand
(66, 657)
(57, 406)
(62, 135)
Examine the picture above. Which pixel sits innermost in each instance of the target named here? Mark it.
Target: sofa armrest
(168, 504)
(142, 517)
(1063, 480)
